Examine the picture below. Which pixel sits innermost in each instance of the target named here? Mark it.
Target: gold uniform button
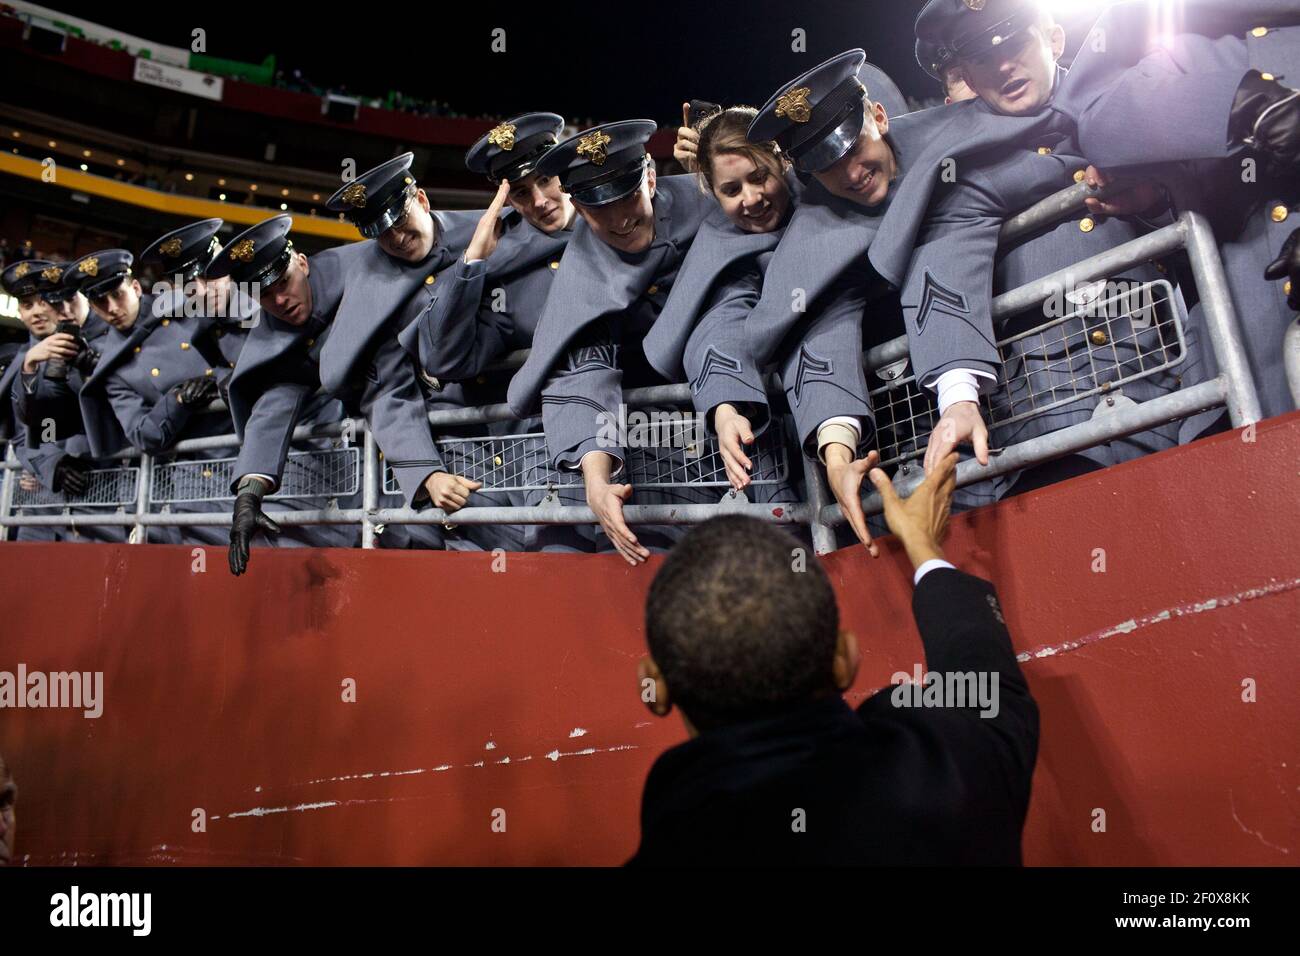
(207, 371)
(166, 321)
(184, 346)
(231, 364)
(1259, 32)
(137, 349)
(428, 280)
(555, 265)
(652, 290)
(1078, 177)
(1279, 213)
(1044, 150)
(1099, 337)
(1086, 224)
(1267, 76)
(1286, 287)
(1161, 267)
(153, 372)
(496, 460)
(310, 343)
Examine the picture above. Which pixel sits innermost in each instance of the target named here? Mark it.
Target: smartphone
(699, 109)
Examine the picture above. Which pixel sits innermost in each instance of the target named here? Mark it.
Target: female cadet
(700, 336)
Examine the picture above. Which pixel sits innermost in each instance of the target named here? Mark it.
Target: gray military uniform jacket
(364, 358)
(700, 335)
(1184, 92)
(276, 382)
(479, 311)
(603, 300)
(138, 375)
(820, 290)
(38, 400)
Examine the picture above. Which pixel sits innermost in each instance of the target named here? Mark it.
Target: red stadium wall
(480, 691)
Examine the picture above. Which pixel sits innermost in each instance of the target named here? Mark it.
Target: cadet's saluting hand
(686, 149)
(485, 235)
(734, 431)
(449, 492)
(844, 474)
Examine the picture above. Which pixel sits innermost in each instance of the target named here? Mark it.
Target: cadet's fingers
(686, 114)
(468, 484)
(980, 439)
(735, 474)
(852, 508)
(238, 556)
(266, 524)
(499, 199)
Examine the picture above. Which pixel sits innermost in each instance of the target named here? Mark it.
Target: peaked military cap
(98, 273)
(30, 277)
(187, 251)
(949, 30)
(816, 117)
(512, 150)
(375, 200)
(603, 164)
(260, 253)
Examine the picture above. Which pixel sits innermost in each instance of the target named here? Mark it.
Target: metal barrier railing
(1138, 333)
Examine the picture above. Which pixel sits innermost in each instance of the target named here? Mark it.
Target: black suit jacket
(882, 785)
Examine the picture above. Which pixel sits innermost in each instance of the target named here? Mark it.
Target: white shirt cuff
(960, 385)
(928, 566)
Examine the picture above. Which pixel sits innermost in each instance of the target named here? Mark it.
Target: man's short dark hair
(742, 621)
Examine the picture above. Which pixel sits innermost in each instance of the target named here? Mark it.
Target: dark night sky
(609, 61)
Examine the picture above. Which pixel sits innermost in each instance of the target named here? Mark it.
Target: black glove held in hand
(72, 476)
(248, 518)
(1287, 266)
(197, 391)
(1266, 115)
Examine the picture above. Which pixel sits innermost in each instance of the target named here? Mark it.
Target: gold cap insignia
(976, 5)
(355, 195)
(89, 266)
(52, 274)
(172, 247)
(794, 104)
(242, 251)
(503, 136)
(21, 270)
(593, 146)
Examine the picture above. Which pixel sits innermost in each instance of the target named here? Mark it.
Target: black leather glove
(86, 361)
(1266, 115)
(1287, 266)
(248, 518)
(72, 476)
(197, 391)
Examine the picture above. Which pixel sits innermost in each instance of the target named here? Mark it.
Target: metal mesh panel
(332, 473)
(1121, 336)
(108, 488)
(521, 462)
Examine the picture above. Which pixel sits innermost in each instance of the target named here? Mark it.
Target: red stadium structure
(497, 718)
